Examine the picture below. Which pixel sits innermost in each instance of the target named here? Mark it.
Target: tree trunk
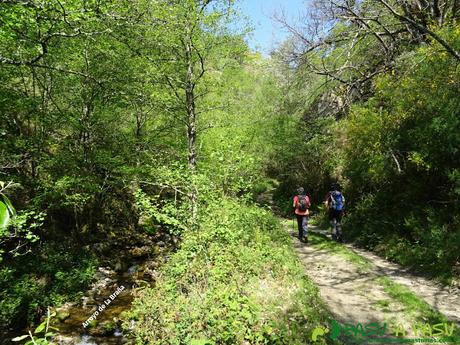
(191, 126)
(456, 11)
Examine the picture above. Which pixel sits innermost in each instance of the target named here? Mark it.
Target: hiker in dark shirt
(335, 202)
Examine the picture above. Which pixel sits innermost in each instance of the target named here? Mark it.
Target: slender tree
(179, 40)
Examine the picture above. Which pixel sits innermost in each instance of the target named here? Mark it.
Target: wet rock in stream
(133, 268)
(109, 297)
(139, 252)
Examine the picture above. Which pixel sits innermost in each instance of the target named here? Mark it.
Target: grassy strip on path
(321, 242)
(415, 308)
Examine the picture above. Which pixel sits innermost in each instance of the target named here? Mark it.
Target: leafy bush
(41, 334)
(18, 231)
(28, 286)
(401, 162)
(235, 280)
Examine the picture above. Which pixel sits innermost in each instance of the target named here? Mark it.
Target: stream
(103, 305)
(96, 318)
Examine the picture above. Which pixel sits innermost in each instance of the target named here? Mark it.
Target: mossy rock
(156, 250)
(62, 315)
(109, 326)
(103, 329)
(92, 324)
(138, 252)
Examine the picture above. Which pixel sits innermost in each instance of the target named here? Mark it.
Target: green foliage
(102, 104)
(54, 276)
(404, 157)
(7, 211)
(394, 148)
(19, 230)
(308, 157)
(41, 333)
(26, 224)
(236, 148)
(234, 280)
(156, 211)
(95, 124)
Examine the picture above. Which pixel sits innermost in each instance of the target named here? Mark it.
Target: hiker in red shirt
(301, 205)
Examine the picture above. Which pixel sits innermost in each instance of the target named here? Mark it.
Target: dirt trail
(444, 299)
(353, 292)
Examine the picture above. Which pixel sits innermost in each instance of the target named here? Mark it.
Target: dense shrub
(28, 286)
(236, 280)
(395, 152)
(401, 163)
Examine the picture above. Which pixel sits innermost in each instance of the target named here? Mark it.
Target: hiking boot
(305, 239)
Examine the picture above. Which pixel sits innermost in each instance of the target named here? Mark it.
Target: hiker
(335, 202)
(301, 205)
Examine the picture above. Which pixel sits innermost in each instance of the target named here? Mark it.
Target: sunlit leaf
(4, 215)
(22, 337)
(41, 327)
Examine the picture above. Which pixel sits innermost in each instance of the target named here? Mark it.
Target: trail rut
(354, 293)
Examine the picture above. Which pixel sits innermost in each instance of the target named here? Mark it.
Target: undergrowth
(28, 285)
(236, 280)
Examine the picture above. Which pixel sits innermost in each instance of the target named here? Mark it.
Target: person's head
(335, 186)
(300, 191)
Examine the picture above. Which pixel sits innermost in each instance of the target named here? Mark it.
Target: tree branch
(422, 29)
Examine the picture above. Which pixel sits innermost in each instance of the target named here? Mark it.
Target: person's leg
(333, 222)
(299, 226)
(305, 226)
(334, 228)
(339, 226)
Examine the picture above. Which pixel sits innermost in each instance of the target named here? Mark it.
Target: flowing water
(96, 318)
(110, 296)
(106, 327)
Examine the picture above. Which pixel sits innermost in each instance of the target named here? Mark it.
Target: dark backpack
(302, 205)
(337, 200)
